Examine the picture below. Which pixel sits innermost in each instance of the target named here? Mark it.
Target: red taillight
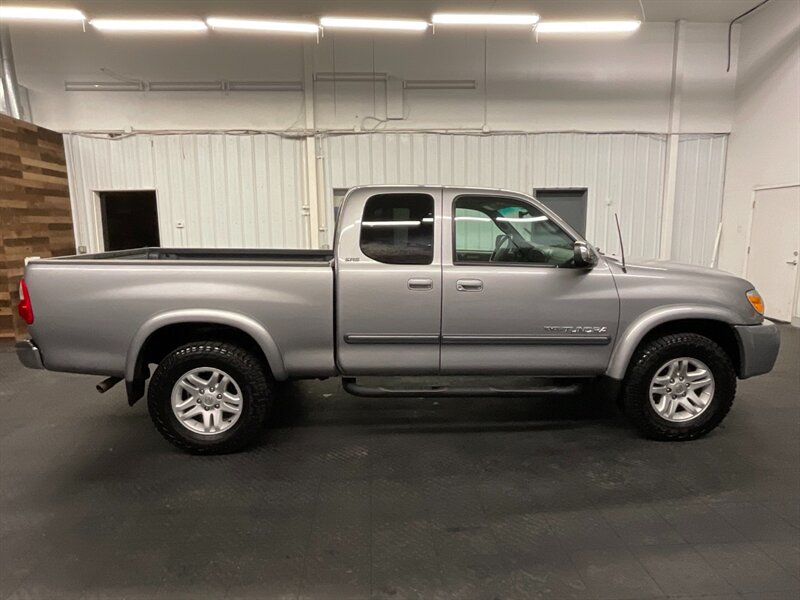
(25, 308)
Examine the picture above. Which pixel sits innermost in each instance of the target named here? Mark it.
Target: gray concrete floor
(357, 498)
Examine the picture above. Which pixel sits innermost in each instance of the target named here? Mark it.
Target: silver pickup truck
(426, 281)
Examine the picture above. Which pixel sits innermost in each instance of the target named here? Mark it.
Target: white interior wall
(602, 84)
(765, 143)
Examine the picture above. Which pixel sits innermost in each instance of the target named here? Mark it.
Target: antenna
(621, 245)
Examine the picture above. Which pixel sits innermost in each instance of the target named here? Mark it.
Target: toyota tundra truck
(430, 282)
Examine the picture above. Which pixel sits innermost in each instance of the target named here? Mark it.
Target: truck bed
(208, 254)
(91, 310)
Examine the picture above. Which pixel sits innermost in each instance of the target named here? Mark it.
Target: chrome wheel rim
(207, 401)
(682, 389)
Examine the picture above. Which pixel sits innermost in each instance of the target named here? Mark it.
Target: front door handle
(469, 285)
(419, 284)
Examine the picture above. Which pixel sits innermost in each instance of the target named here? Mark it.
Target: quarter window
(490, 229)
(398, 229)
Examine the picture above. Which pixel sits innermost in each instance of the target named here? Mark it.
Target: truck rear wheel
(209, 397)
(679, 387)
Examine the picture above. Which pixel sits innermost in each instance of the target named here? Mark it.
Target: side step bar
(351, 386)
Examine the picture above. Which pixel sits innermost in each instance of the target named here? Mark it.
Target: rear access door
(389, 281)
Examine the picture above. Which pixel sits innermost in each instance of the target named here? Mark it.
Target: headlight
(756, 301)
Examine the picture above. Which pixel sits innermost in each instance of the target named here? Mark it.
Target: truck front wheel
(209, 397)
(679, 387)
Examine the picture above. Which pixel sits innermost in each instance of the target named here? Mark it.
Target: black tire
(247, 370)
(649, 357)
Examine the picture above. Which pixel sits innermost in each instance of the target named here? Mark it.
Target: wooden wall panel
(35, 215)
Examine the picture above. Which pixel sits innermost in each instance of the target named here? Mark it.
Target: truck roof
(428, 186)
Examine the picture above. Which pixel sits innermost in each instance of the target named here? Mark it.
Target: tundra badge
(574, 329)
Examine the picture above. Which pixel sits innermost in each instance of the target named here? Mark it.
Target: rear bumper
(29, 355)
(758, 348)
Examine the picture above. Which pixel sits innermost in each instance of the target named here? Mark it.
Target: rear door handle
(469, 285)
(420, 284)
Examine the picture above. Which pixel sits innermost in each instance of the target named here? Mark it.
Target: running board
(351, 386)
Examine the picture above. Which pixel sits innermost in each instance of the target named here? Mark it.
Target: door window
(398, 229)
(489, 229)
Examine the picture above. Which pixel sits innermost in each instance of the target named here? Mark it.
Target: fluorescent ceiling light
(385, 24)
(522, 219)
(104, 86)
(485, 20)
(350, 76)
(439, 84)
(250, 25)
(40, 14)
(265, 86)
(395, 223)
(587, 26)
(166, 25)
(185, 86)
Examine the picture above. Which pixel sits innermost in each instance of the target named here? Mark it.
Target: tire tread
(259, 380)
(635, 395)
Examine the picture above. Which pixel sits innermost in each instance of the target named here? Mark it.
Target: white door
(775, 248)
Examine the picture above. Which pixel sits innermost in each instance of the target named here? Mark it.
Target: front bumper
(758, 348)
(29, 355)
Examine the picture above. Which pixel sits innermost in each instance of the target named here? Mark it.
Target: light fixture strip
(439, 84)
(148, 25)
(185, 86)
(486, 19)
(265, 86)
(374, 24)
(253, 25)
(350, 76)
(35, 13)
(104, 86)
(587, 26)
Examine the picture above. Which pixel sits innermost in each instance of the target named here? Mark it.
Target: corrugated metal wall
(226, 190)
(249, 190)
(698, 198)
(623, 173)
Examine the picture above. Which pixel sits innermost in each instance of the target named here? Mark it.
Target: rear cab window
(398, 229)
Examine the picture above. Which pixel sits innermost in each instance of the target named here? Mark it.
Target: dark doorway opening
(569, 204)
(130, 219)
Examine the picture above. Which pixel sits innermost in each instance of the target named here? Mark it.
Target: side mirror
(584, 255)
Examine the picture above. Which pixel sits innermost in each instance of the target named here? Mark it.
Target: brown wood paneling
(35, 215)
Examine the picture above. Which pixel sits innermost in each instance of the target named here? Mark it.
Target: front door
(389, 292)
(513, 302)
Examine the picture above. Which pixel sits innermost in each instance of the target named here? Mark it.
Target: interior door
(512, 301)
(130, 219)
(389, 283)
(772, 262)
(569, 204)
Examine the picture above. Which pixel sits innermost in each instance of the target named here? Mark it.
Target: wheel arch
(714, 323)
(166, 331)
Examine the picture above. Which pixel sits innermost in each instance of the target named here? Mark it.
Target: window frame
(430, 197)
(473, 263)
